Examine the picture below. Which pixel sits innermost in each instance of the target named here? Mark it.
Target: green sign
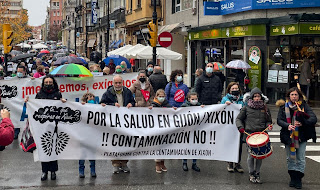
(238, 31)
(292, 29)
(255, 61)
(284, 30)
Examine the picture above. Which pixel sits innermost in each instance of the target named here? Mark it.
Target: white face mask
(194, 102)
(209, 69)
(161, 99)
(179, 78)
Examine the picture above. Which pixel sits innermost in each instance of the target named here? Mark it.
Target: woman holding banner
(142, 90)
(175, 90)
(49, 90)
(297, 121)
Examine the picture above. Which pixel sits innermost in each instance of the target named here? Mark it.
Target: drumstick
(298, 106)
(263, 130)
(247, 133)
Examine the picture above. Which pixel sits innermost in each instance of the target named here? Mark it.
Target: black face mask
(235, 93)
(142, 80)
(48, 87)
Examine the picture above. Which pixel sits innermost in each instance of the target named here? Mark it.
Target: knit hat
(254, 91)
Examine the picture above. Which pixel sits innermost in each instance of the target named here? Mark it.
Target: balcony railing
(117, 15)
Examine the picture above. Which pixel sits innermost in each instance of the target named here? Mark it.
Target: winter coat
(6, 132)
(38, 75)
(54, 95)
(110, 97)
(165, 104)
(231, 99)
(209, 89)
(305, 73)
(306, 131)
(158, 81)
(251, 119)
(188, 104)
(170, 93)
(136, 90)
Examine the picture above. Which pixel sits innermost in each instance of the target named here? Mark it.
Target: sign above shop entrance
(234, 6)
(298, 28)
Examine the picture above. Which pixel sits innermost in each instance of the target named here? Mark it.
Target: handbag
(27, 142)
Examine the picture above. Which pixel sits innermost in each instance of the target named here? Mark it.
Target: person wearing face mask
(255, 116)
(160, 101)
(142, 90)
(87, 98)
(112, 66)
(119, 96)
(175, 90)
(118, 70)
(149, 69)
(123, 66)
(49, 90)
(39, 72)
(209, 87)
(157, 79)
(21, 72)
(234, 96)
(192, 101)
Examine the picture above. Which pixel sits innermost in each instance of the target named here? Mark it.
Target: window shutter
(173, 6)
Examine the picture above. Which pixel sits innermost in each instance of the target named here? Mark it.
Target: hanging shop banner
(233, 6)
(72, 131)
(94, 13)
(255, 62)
(14, 91)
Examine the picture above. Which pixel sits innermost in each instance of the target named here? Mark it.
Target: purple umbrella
(68, 59)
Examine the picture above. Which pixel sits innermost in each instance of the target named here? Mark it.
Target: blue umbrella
(117, 60)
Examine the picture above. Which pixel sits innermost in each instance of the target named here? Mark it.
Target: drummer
(254, 117)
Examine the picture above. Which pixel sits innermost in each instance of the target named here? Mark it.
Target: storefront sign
(298, 28)
(94, 13)
(206, 34)
(255, 71)
(239, 31)
(234, 6)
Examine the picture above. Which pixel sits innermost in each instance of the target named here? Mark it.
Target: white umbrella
(117, 51)
(39, 46)
(162, 53)
(133, 52)
(238, 64)
(23, 45)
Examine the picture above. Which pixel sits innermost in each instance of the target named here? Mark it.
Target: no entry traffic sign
(165, 39)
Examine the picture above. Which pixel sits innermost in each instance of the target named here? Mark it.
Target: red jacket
(6, 132)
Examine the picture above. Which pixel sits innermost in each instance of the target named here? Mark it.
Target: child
(160, 101)
(87, 98)
(192, 101)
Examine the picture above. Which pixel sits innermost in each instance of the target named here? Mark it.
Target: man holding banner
(120, 96)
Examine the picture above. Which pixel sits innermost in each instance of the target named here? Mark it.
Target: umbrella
(238, 64)
(71, 70)
(117, 60)
(15, 52)
(22, 56)
(40, 55)
(68, 59)
(217, 66)
(73, 55)
(44, 51)
(59, 55)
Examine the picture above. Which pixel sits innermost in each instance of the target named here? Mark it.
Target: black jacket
(165, 104)
(54, 95)
(306, 131)
(110, 97)
(209, 89)
(158, 81)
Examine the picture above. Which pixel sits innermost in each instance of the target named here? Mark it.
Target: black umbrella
(22, 56)
(68, 59)
(15, 52)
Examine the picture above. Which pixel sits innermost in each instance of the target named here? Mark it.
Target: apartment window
(57, 4)
(58, 13)
(54, 13)
(54, 4)
(138, 4)
(181, 5)
(54, 22)
(58, 22)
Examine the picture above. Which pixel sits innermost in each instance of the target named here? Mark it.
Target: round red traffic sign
(165, 39)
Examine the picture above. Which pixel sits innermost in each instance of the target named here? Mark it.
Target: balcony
(117, 15)
(90, 28)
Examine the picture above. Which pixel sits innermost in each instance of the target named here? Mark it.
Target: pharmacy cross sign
(165, 39)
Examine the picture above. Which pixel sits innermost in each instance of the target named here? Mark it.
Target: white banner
(15, 90)
(72, 131)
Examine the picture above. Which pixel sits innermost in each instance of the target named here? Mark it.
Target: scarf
(293, 134)
(256, 104)
(157, 101)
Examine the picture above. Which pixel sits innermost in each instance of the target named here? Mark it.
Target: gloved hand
(270, 127)
(241, 130)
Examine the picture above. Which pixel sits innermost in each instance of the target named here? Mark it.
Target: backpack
(27, 142)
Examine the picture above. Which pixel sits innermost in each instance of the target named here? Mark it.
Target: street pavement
(19, 171)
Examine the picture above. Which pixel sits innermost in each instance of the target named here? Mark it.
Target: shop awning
(79, 43)
(170, 27)
(116, 45)
(91, 43)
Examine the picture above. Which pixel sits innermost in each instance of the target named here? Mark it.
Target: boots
(158, 168)
(163, 167)
(195, 167)
(299, 176)
(44, 176)
(53, 176)
(293, 178)
(185, 167)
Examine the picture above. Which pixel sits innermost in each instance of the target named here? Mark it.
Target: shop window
(295, 40)
(317, 41)
(307, 40)
(284, 40)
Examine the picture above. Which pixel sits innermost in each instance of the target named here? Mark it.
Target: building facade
(68, 23)
(13, 7)
(36, 32)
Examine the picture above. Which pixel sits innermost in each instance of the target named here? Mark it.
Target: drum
(259, 145)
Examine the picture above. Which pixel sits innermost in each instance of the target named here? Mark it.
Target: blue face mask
(179, 78)
(91, 101)
(209, 69)
(161, 99)
(150, 69)
(19, 74)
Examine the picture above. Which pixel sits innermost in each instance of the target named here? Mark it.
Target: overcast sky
(36, 11)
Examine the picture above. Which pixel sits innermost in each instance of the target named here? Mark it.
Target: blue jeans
(299, 163)
(193, 161)
(92, 165)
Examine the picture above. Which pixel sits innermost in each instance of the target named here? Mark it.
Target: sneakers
(163, 167)
(185, 167)
(258, 180)
(238, 168)
(125, 169)
(53, 176)
(158, 168)
(116, 169)
(252, 177)
(44, 176)
(195, 167)
(230, 167)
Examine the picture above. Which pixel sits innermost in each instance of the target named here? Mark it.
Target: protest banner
(72, 131)
(14, 91)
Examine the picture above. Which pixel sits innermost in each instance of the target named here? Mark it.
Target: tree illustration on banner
(55, 140)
